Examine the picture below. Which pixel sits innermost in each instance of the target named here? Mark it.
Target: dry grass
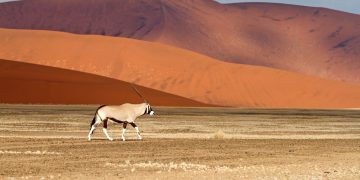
(219, 135)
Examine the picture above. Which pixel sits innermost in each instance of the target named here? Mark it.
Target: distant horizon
(350, 6)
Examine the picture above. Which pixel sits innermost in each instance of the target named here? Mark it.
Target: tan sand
(49, 142)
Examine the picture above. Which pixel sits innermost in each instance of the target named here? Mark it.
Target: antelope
(125, 114)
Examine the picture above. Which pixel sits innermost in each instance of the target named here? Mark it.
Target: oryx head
(148, 109)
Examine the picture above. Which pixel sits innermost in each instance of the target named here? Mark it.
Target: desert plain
(49, 142)
(295, 68)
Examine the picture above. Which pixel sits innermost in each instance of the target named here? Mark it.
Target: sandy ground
(49, 142)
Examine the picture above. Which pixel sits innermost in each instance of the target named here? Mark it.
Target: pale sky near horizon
(352, 6)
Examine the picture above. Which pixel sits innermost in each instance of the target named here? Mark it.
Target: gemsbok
(125, 113)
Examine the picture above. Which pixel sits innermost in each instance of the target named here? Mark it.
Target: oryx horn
(137, 92)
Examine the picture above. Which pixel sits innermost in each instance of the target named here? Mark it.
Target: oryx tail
(96, 114)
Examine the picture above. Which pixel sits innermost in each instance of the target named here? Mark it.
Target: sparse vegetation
(181, 143)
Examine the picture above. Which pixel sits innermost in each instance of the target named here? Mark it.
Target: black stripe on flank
(116, 120)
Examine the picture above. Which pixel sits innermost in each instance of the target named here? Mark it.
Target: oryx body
(125, 113)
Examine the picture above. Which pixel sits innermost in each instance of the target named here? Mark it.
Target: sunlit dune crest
(313, 41)
(177, 71)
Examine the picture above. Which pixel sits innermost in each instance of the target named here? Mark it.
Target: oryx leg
(137, 130)
(93, 127)
(105, 130)
(123, 131)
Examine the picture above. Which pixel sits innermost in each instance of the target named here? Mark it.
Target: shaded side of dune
(33, 84)
(177, 71)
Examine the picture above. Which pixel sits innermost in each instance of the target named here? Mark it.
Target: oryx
(125, 113)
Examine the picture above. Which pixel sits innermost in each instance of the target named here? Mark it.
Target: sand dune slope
(176, 71)
(29, 83)
(313, 41)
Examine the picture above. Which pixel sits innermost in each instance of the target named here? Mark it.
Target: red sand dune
(313, 41)
(176, 71)
(30, 83)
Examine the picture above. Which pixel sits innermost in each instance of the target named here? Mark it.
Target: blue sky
(352, 6)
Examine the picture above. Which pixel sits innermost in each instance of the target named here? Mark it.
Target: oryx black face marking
(146, 109)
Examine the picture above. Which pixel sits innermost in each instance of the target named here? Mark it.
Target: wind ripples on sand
(30, 152)
(165, 166)
(291, 171)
